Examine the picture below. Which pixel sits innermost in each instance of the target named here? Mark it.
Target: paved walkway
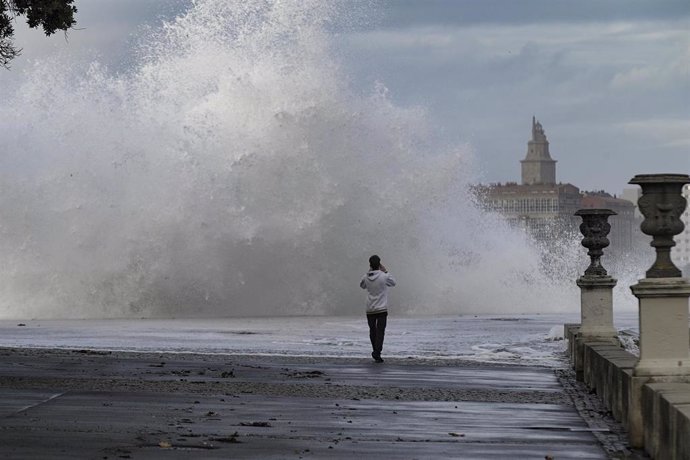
(62, 404)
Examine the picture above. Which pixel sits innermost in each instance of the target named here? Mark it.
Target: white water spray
(234, 171)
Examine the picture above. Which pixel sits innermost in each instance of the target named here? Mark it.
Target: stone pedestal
(596, 307)
(664, 334)
(596, 318)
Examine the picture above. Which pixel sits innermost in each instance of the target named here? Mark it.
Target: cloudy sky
(609, 80)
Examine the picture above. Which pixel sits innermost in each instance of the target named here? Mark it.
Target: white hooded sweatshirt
(377, 283)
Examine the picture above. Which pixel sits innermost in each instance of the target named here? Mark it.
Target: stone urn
(662, 204)
(595, 228)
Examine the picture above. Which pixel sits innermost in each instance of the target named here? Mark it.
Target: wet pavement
(75, 404)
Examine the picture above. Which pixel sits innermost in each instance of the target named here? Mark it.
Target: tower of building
(546, 209)
(538, 167)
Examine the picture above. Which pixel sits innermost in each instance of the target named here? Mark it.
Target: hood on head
(373, 274)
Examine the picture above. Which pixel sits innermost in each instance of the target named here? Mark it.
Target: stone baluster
(662, 298)
(596, 286)
(596, 291)
(663, 294)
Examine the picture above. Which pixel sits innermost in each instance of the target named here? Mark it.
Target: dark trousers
(377, 329)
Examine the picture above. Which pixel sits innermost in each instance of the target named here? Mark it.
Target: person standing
(376, 282)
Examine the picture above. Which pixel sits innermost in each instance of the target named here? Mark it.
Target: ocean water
(517, 339)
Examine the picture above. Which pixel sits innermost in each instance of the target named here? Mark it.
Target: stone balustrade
(649, 394)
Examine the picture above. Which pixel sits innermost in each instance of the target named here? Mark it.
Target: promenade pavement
(112, 405)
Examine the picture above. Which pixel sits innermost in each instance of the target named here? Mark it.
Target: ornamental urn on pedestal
(662, 204)
(595, 227)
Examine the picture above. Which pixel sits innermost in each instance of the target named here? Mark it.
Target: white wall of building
(632, 195)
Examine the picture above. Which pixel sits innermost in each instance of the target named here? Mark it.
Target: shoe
(379, 359)
(376, 357)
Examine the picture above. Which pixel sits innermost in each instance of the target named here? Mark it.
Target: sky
(609, 80)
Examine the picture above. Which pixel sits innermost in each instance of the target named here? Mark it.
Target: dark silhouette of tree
(51, 15)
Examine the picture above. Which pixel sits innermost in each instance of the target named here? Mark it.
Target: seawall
(655, 410)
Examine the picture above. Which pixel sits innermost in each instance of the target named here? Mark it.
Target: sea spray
(235, 171)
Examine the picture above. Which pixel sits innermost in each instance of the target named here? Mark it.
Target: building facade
(545, 208)
(632, 195)
(541, 209)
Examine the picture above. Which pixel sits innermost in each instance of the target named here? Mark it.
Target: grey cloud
(403, 13)
(601, 89)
